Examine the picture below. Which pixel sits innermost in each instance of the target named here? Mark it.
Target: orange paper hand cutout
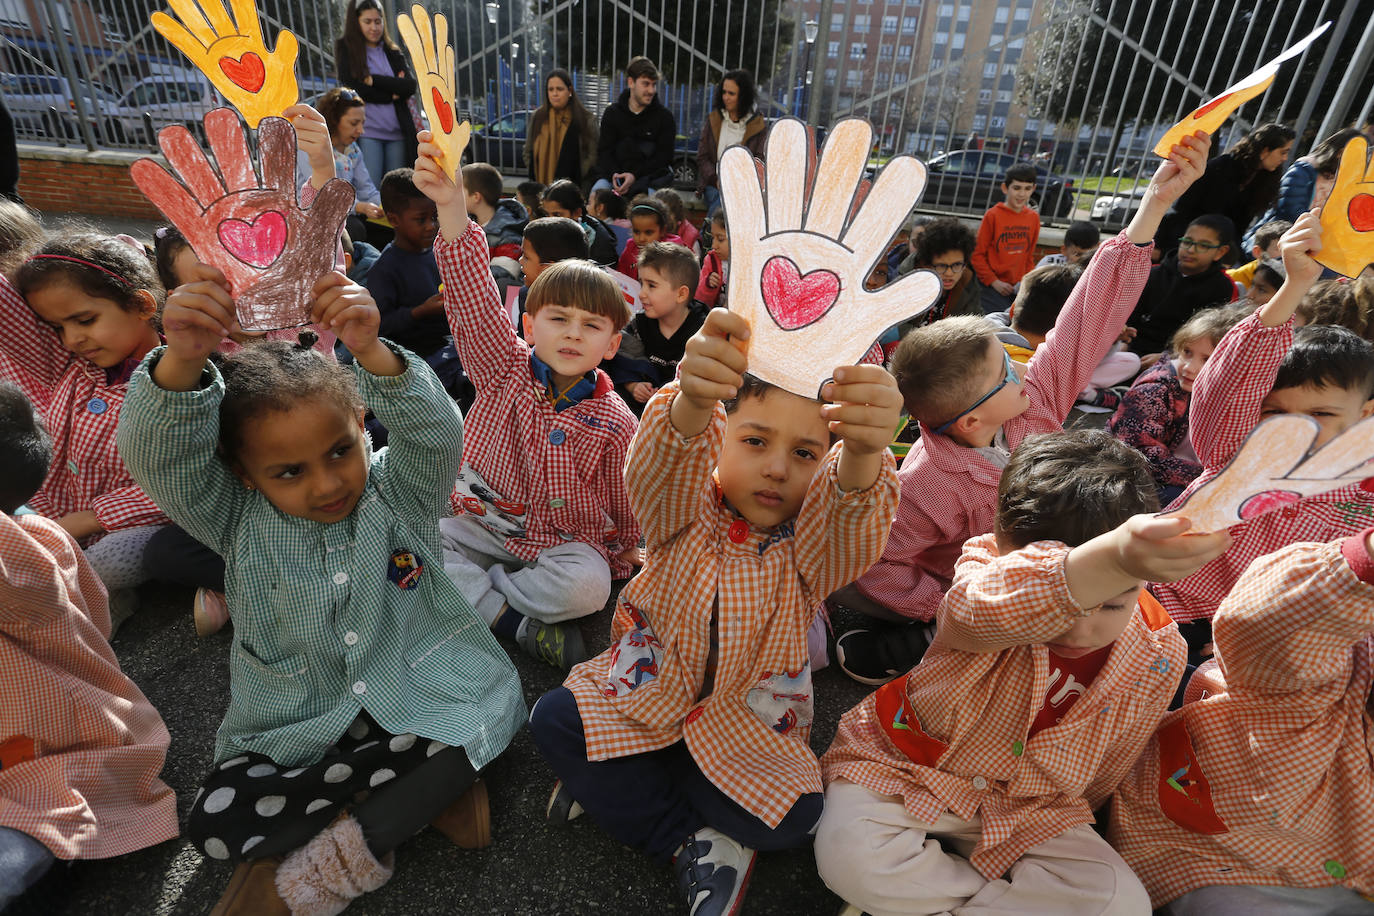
(432, 57)
(231, 54)
(1273, 469)
(1348, 214)
(1214, 112)
(270, 249)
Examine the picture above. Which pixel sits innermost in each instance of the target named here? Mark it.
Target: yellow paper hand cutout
(231, 54)
(1348, 214)
(432, 56)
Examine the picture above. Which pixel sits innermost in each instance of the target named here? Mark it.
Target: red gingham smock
(749, 735)
(949, 491)
(1269, 782)
(954, 734)
(563, 472)
(81, 410)
(1226, 408)
(80, 746)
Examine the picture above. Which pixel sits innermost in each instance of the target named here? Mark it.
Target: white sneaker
(713, 870)
(211, 611)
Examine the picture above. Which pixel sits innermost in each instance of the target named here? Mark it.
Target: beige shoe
(467, 822)
(327, 874)
(252, 891)
(211, 611)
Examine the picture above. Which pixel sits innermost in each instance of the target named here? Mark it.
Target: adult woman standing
(369, 63)
(733, 121)
(561, 140)
(1240, 184)
(1308, 181)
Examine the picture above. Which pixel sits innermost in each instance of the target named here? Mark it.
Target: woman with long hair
(561, 140)
(732, 121)
(1308, 182)
(1240, 184)
(369, 63)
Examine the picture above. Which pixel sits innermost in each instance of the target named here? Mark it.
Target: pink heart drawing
(1268, 501)
(795, 300)
(257, 243)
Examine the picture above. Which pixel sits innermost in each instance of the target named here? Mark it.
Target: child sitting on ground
(649, 221)
(503, 220)
(548, 240)
(1186, 281)
(1265, 248)
(715, 267)
(614, 211)
(543, 521)
(1039, 300)
(1338, 302)
(404, 281)
(1255, 796)
(1153, 416)
(654, 341)
(1080, 241)
(530, 194)
(1261, 369)
(971, 782)
(356, 666)
(1265, 281)
(680, 226)
(1005, 250)
(563, 198)
(80, 745)
(687, 738)
(974, 409)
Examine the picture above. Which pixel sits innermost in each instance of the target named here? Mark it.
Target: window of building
(1004, 95)
(1022, 13)
(940, 38)
(1017, 44)
(1009, 69)
(1002, 15)
(904, 52)
(998, 122)
(852, 78)
(858, 50)
(889, 25)
(863, 23)
(1033, 125)
(989, 70)
(985, 95)
(885, 52)
(980, 122)
(837, 22)
(964, 12)
(946, 9)
(908, 25)
(832, 49)
(881, 79)
(959, 39)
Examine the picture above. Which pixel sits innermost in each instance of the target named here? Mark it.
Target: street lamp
(809, 28)
(492, 10)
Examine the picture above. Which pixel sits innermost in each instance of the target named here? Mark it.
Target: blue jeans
(382, 156)
(23, 860)
(654, 801)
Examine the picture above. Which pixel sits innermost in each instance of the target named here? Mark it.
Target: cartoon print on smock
(783, 700)
(404, 569)
(634, 661)
(502, 517)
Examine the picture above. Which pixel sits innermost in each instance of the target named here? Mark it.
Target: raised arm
(31, 353)
(667, 471)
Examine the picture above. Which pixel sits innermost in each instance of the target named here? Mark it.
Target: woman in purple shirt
(369, 63)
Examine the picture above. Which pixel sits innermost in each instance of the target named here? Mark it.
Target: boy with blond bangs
(687, 738)
(970, 784)
(543, 520)
(974, 407)
(654, 341)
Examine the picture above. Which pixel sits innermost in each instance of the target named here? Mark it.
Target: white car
(1117, 209)
(185, 98)
(43, 106)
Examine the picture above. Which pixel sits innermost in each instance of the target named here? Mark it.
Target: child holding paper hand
(1261, 368)
(355, 665)
(687, 739)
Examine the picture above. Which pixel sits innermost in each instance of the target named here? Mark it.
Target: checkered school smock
(1225, 409)
(1270, 781)
(80, 745)
(954, 734)
(749, 735)
(80, 407)
(330, 618)
(545, 477)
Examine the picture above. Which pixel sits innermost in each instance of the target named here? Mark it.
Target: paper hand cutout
(432, 57)
(800, 251)
(231, 54)
(1272, 469)
(1214, 112)
(1348, 214)
(271, 250)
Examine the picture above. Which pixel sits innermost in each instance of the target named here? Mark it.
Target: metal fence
(1080, 87)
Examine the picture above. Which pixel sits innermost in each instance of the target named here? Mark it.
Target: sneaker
(713, 872)
(559, 644)
(874, 657)
(562, 807)
(211, 611)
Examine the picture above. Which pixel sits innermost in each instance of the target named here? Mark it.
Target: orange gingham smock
(564, 470)
(949, 491)
(80, 409)
(1281, 760)
(1225, 409)
(762, 584)
(975, 709)
(92, 745)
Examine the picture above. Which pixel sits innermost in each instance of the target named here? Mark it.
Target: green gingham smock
(321, 629)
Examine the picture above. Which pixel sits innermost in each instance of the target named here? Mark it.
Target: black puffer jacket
(641, 144)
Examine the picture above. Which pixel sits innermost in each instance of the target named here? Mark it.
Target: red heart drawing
(1267, 501)
(1361, 212)
(247, 72)
(444, 109)
(794, 300)
(258, 243)
(1210, 105)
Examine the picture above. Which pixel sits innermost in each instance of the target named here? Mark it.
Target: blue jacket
(1296, 190)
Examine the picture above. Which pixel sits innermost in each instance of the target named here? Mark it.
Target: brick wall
(64, 180)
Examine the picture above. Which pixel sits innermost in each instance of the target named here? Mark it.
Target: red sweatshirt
(1006, 244)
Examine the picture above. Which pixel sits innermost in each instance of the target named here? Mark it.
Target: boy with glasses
(973, 412)
(1186, 281)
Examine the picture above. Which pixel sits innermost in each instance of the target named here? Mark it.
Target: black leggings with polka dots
(250, 807)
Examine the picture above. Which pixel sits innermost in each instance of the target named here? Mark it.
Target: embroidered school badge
(404, 569)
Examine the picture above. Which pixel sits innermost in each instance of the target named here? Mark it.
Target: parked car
(45, 106)
(502, 143)
(971, 180)
(1116, 210)
(172, 98)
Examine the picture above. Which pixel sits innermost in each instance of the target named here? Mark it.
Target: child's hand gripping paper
(712, 370)
(196, 317)
(865, 408)
(351, 313)
(433, 58)
(1145, 548)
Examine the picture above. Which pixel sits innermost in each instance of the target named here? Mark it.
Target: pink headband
(83, 262)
